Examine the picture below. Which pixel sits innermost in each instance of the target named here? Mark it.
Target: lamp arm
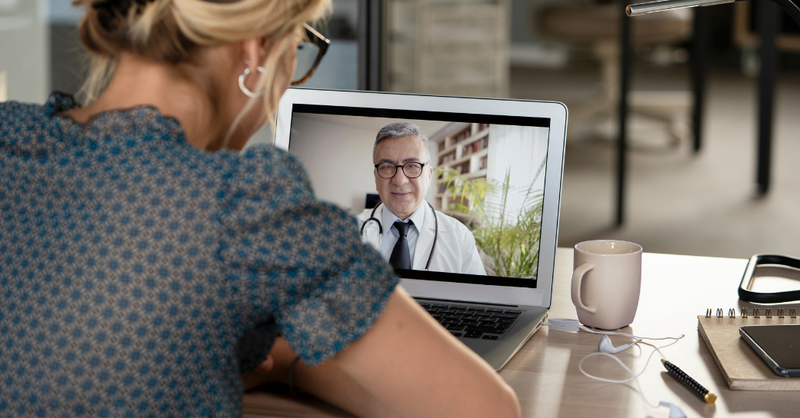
(664, 5)
(790, 8)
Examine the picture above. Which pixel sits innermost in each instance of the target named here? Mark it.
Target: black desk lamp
(663, 5)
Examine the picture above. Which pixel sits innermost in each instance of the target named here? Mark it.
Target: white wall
(3, 94)
(338, 159)
(25, 49)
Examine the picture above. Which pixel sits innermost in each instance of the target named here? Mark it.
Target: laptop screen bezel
(556, 112)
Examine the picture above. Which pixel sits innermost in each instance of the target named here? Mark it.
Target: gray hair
(399, 130)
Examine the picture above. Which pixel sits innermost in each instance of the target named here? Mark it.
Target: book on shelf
(447, 158)
(476, 146)
(463, 135)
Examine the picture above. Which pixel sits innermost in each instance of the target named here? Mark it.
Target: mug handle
(577, 278)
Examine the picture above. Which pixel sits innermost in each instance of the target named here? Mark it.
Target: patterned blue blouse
(140, 276)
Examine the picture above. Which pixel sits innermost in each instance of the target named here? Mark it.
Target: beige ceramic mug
(606, 280)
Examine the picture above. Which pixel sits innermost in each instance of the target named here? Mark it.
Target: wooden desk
(675, 289)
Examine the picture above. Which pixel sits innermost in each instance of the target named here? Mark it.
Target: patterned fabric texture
(140, 276)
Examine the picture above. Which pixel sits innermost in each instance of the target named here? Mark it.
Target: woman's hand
(275, 369)
(266, 365)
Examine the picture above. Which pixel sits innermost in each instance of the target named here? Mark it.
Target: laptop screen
(489, 174)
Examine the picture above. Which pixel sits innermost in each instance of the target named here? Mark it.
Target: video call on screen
(506, 154)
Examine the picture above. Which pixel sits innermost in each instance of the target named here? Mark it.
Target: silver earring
(244, 89)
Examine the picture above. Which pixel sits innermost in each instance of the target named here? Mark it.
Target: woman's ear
(255, 52)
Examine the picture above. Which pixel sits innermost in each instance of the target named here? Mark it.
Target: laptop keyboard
(472, 322)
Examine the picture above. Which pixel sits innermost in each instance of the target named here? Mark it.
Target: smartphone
(778, 345)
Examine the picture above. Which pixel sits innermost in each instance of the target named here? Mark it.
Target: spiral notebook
(740, 366)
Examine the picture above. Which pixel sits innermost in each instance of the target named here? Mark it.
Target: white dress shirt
(455, 250)
(390, 234)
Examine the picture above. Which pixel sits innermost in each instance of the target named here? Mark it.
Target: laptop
(517, 146)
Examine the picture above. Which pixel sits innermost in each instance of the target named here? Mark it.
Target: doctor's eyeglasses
(389, 170)
(309, 54)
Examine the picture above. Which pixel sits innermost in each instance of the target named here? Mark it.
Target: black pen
(696, 388)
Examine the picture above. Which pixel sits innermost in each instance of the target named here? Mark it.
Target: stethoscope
(372, 218)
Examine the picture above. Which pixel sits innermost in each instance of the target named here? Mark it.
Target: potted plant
(507, 234)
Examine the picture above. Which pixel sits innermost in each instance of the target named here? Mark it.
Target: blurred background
(678, 197)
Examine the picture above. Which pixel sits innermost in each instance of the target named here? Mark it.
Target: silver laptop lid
(517, 142)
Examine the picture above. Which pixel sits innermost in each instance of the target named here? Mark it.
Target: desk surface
(545, 375)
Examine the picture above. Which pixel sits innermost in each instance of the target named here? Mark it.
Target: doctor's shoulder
(363, 216)
(452, 224)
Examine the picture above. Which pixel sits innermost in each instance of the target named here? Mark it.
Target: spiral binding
(756, 313)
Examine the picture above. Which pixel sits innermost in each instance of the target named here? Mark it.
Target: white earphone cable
(634, 376)
(635, 337)
(571, 325)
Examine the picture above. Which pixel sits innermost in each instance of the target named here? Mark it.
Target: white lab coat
(455, 250)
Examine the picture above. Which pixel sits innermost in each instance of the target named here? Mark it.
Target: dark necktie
(401, 258)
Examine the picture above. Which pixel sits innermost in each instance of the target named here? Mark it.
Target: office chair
(596, 25)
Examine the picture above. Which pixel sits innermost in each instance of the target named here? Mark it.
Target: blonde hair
(171, 31)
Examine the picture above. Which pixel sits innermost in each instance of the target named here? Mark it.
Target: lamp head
(640, 9)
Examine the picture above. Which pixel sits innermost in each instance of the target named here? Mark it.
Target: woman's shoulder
(45, 130)
(19, 113)
(266, 163)
(268, 153)
(12, 111)
(29, 129)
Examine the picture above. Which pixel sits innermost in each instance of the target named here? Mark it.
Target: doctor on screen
(404, 227)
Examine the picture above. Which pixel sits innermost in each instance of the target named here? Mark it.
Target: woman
(142, 274)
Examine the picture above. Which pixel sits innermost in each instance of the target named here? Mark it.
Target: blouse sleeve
(298, 261)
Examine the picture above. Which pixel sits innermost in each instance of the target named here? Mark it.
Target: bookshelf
(465, 150)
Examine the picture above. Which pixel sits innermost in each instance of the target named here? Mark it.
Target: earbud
(605, 346)
(606, 349)
(674, 411)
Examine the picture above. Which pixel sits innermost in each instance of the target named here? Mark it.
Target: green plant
(507, 233)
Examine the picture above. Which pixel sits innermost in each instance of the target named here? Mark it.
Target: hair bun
(120, 6)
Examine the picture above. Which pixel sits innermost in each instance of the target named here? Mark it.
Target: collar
(388, 218)
(143, 122)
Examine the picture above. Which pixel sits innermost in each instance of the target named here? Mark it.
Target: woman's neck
(168, 88)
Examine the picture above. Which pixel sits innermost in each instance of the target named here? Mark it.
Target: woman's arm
(326, 381)
(405, 365)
